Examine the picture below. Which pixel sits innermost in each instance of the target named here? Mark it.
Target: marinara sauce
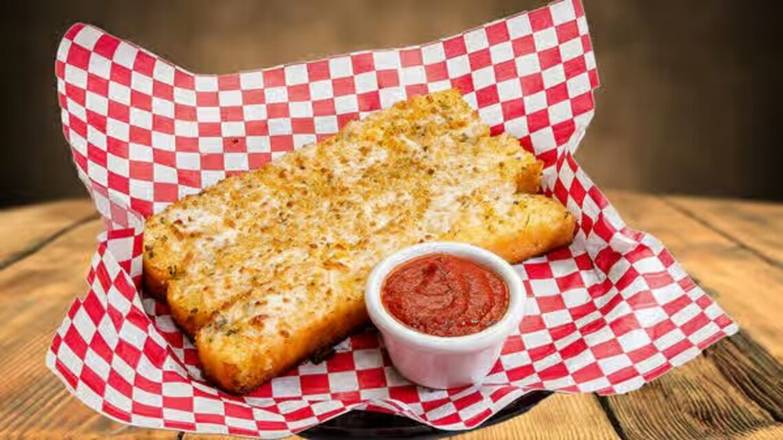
(445, 295)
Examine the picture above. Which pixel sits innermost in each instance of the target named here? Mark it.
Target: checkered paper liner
(607, 314)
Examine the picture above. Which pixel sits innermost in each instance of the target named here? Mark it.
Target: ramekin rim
(496, 332)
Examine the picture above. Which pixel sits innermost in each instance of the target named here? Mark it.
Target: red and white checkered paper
(608, 314)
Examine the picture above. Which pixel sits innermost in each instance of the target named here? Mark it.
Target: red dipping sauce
(445, 295)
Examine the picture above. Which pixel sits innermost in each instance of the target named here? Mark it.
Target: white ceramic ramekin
(438, 361)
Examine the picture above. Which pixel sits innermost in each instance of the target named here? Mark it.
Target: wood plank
(695, 401)
(751, 369)
(561, 416)
(25, 228)
(36, 292)
(757, 225)
(767, 433)
(734, 389)
(748, 288)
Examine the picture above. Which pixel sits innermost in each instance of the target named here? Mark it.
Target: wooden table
(734, 250)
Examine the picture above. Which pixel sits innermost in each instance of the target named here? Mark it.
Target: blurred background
(687, 102)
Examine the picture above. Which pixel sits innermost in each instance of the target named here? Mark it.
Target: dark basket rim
(362, 424)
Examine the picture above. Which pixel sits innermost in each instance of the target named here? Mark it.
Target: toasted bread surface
(266, 267)
(240, 349)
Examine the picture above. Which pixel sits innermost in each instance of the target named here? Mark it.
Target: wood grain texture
(561, 416)
(734, 389)
(34, 296)
(751, 369)
(768, 433)
(24, 229)
(695, 401)
(756, 225)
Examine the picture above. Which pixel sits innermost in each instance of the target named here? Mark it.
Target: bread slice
(194, 238)
(267, 267)
(262, 334)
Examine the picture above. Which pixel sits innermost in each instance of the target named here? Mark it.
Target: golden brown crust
(515, 251)
(543, 237)
(537, 224)
(183, 318)
(155, 279)
(240, 376)
(529, 179)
